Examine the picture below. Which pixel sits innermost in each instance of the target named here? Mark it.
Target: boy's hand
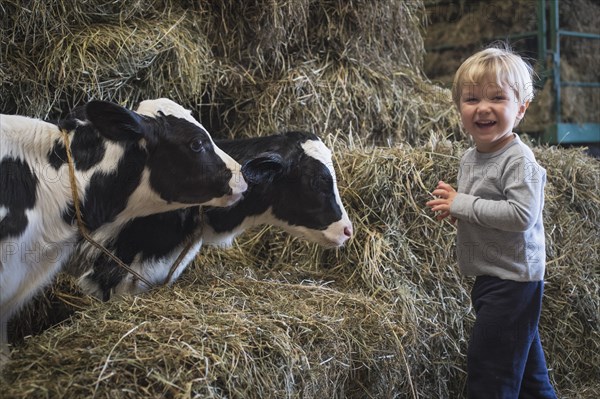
(444, 194)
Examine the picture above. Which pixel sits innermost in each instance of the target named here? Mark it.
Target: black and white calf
(291, 184)
(127, 165)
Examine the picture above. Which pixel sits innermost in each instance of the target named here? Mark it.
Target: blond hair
(507, 67)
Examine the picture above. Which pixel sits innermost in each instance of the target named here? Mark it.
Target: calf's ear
(263, 168)
(113, 121)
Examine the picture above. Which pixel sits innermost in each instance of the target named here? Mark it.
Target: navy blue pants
(505, 359)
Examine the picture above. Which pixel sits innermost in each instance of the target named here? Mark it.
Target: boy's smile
(489, 112)
(485, 123)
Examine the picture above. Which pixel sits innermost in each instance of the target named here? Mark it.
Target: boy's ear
(521, 112)
(522, 108)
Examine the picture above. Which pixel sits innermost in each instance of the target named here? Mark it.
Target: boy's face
(489, 112)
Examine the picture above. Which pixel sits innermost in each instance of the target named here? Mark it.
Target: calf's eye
(318, 183)
(196, 145)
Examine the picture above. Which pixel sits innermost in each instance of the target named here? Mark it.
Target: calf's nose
(348, 231)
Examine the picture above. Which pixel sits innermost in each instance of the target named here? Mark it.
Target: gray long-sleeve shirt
(499, 210)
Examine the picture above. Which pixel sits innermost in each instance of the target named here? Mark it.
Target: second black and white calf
(126, 165)
(291, 184)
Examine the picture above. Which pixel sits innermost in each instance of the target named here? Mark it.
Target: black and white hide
(126, 165)
(291, 184)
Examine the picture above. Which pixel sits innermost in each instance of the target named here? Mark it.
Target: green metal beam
(542, 46)
(582, 35)
(573, 133)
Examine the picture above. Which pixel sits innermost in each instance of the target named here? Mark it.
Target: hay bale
(570, 320)
(222, 338)
(122, 62)
(387, 316)
(246, 69)
(399, 248)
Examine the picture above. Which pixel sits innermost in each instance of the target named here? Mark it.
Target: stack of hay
(247, 68)
(273, 317)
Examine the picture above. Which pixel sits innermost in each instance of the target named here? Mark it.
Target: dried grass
(386, 316)
(247, 69)
(273, 317)
(234, 338)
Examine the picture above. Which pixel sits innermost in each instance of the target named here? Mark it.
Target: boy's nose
(483, 107)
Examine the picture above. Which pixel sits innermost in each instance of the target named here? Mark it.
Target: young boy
(500, 233)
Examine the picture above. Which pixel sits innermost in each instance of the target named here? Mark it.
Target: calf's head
(299, 182)
(184, 164)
